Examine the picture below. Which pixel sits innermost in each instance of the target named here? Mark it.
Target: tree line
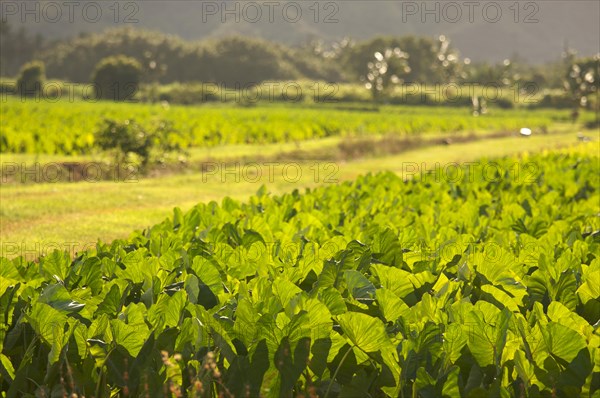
(242, 61)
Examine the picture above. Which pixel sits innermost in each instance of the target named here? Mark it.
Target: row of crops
(486, 286)
(68, 127)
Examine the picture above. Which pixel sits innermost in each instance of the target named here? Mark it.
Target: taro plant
(483, 286)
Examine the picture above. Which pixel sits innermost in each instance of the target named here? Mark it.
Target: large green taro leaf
(363, 331)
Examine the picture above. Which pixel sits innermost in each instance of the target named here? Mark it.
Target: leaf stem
(336, 372)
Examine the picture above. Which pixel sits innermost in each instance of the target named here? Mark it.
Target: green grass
(35, 216)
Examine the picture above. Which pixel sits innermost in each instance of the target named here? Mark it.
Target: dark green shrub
(8, 87)
(117, 78)
(556, 101)
(187, 94)
(417, 99)
(503, 103)
(31, 79)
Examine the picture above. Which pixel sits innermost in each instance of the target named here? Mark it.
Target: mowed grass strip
(38, 217)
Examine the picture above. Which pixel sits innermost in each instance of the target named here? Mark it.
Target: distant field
(68, 127)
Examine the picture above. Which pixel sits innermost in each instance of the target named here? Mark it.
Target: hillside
(489, 31)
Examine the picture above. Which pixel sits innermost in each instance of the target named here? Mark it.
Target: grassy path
(39, 217)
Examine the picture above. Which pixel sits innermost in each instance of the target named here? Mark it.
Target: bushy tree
(582, 80)
(240, 61)
(423, 61)
(76, 58)
(148, 143)
(448, 65)
(168, 59)
(31, 79)
(387, 69)
(117, 78)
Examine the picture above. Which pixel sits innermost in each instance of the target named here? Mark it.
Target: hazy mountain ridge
(575, 22)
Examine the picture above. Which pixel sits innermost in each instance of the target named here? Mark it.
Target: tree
(117, 78)
(448, 65)
(385, 70)
(31, 79)
(239, 61)
(582, 80)
(423, 58)
(17, 48)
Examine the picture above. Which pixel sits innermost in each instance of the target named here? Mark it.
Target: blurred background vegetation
(175, 70)
(241, 60)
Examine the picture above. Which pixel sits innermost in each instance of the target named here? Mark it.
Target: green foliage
(245, 61)
(240, 61)
(18, 47)
(8, 86)
(31, 79)
(484, 285)
(423, 61)
(167, 59)
(128, 137)
(582, 81)
(386, 69)
(67, 128)
(117, 78)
